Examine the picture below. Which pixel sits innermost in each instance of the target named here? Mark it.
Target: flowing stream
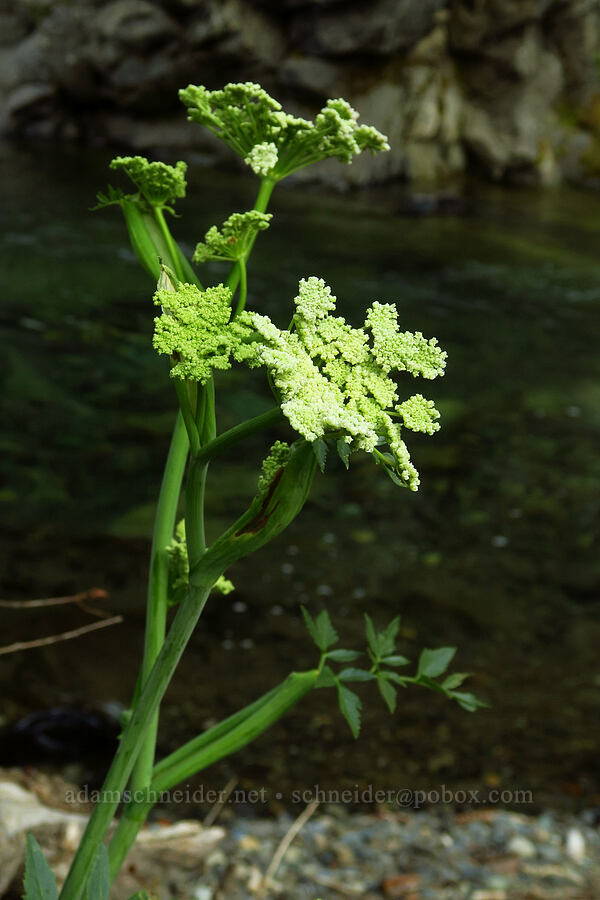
(496, 553)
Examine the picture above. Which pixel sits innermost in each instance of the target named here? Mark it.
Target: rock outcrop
(508, 87)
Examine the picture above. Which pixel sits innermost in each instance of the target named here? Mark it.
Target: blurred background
(482, 224)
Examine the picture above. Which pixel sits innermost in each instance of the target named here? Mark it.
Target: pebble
(485, 853)
(522, 846)
(481, 854)
(576, 845)
(203, 893)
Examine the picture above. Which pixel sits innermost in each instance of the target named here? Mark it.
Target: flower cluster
(332, 380)
(157, 182)
(277, 459)
(272, 142)
(193, 330)
(179, 569)
(235, 238)
(335, 380)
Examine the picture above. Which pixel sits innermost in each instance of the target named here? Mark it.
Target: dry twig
(79, 599)
(91, 594)
(284, 844)
(215, 810)
(63, 636)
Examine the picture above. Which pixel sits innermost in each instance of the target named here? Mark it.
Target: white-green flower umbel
(277, 460)
(159, 183)
(335, 380)
(272, 142)
(193, 330)
(263, 158)
(235, 238)
(332, 380)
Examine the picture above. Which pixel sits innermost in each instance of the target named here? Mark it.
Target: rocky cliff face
(508, 87)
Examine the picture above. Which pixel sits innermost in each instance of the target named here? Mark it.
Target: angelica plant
(334, 388)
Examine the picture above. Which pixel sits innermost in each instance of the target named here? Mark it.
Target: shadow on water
(496, 553)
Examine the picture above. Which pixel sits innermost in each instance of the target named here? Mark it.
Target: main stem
(158, 582)
(139, 737)
(131, 740)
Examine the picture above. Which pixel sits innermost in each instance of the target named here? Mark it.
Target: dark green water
(497, 553)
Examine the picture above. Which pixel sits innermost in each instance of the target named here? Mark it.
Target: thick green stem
(158, 582)
(262, 201)
(231, 735)
(264, 194)
(171, 246)
(133, 737)
(196, 481)
(208, 424)
(181, 389)
(243, 288)
(218, 742)
(239, 432)
(194, 511)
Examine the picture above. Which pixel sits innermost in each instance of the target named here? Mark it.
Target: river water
(496, 553)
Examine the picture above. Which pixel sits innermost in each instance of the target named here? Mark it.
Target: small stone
(202, 893)
(400, 885)
(576, 845)
(522, 846)
(249, 842)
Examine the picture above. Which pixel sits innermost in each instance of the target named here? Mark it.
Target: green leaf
(371, 636)
(98, 886)
(112, 197)
(356, 675)
(386, 461)
(382, 643)
(350, 706)
(426, 681)
(343, 655)
(326, 678)
(343, 450)
(395, 661)
(39, 882)
(308, 621)
(326, 635)
(455, 680)
(320, 450)
(468, 701)
(321, 630)
(434, 662)
(393, 676)
(387, 638)
(142, 895)
(388, 692)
